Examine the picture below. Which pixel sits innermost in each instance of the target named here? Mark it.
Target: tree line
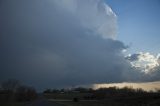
(103, 93)
(13, 91)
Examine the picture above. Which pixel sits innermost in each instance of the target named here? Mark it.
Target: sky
(138, 24)
(59, 43)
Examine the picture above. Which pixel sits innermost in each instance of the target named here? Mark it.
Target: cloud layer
(145, 62)
(61, 43)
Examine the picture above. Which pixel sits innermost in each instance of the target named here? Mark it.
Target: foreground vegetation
(13, 104)
(13, 93)
(104, 97)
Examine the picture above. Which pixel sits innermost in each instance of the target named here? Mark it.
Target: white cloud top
(94, 15)
(146, 62)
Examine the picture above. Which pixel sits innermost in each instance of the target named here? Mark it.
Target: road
(43, 102)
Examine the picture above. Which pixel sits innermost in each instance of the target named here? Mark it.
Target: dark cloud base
(45, 46)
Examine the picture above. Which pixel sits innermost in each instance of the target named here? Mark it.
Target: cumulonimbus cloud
(61, 43)
(94, 15)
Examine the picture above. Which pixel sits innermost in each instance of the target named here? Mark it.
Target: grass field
(106, 97)
(13, 104)
(136, 100)
(82, 103)
(68, 96)
(133, 102)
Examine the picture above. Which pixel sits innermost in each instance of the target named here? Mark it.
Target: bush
(12, 90)
(75, 99)
(24, 93)
(47, 91)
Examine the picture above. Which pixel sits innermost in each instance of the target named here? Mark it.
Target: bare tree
(14, 91)
(10, 85)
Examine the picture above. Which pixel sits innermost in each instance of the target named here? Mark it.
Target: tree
(47, 91)
(10, 85)
(14, 91)
(25, 93)
(9, 88)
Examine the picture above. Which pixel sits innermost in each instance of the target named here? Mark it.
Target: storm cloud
(56, 43)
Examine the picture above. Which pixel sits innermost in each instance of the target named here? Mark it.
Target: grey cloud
(133, 57)
(46, 46)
